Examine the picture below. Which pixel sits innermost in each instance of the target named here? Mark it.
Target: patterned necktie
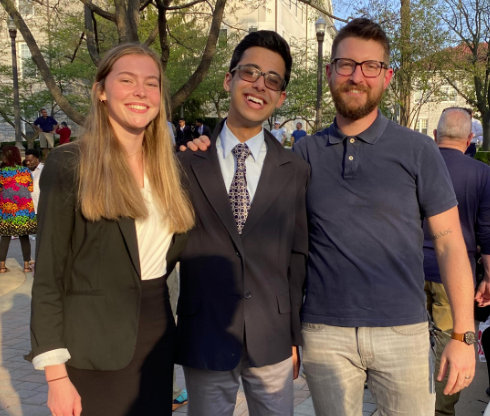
(239, 196)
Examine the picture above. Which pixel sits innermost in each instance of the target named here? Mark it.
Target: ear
(435, 135)
(328, 70)
(387, 78)
(468, 141)
(227, 82)
(281, 99)
(102, 95)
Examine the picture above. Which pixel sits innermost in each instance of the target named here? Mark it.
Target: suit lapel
(275, 174)
(208, 174)
(128, 231)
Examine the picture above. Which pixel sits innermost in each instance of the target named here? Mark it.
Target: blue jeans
(396, 361)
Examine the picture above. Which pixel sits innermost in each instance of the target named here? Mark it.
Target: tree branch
(90, 36)
(153, 35)
(315, 5)
(184, 6)
(97, 10)
(196, 78)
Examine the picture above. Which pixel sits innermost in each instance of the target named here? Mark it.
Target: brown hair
(107, 187)
(11, 156)
(365, 29)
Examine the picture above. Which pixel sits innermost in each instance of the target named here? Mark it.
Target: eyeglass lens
(347, 67)
(252, 74)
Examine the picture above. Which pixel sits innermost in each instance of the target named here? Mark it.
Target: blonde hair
(107, 187)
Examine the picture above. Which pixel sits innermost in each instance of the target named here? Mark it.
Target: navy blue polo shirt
(366, 202)
(471, 182)
(46, 124)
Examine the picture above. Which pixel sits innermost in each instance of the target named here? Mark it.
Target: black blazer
(183, 137)
(206, 131)
(252, 283)
(87, 289)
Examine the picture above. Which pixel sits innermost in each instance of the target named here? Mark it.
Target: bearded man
(372, 184)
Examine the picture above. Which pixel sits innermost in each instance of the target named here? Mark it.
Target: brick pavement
(23, 390)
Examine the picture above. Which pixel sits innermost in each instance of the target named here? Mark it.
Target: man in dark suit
(184, 134)
(243, 270)
(200, 129)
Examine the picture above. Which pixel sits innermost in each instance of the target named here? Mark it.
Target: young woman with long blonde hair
(112, 222)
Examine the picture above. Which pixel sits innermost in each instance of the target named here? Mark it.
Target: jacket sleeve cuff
(53, 357)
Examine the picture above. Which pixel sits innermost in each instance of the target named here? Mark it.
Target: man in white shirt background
(477, 130)
(278, 132)
(36, 167)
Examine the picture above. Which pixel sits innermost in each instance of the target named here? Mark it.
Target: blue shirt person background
(298, 133)
(45, 123)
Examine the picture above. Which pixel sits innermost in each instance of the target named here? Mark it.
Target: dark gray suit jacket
(87, 287)
(251, 283)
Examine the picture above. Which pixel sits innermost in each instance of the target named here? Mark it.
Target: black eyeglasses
(250, 73)
(346, 67)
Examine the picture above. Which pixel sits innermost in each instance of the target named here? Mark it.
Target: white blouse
(154, 239)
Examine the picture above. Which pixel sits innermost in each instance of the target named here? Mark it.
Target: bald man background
(471, 182)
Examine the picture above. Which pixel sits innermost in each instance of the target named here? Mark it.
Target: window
(223, 37)
(252, 29)
(25, 8)
(24, 54)
(421, 125)
(448, 93)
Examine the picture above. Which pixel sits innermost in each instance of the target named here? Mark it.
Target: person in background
(278, 132)
(64, 133)
(36, 167)
(184, 134)
(477, 130)
(471, 182)
(298, 133)
(17, 216)
(46, 126)
(200, 129)
(112, 218)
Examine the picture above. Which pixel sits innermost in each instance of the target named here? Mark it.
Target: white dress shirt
(477, 130)
(36, 192)
(154, 240)
(227, 160)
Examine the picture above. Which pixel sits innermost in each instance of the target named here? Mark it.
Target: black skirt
(144, 387)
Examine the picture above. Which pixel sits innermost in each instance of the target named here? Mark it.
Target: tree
(469, 24)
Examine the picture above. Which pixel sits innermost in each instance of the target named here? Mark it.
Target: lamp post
(320, 25)
(13, 33)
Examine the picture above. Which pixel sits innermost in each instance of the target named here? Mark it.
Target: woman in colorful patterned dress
(17, 217)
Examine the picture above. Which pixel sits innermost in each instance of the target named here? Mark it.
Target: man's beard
(358, 112)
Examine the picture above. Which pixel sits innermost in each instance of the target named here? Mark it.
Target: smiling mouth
(137, 107)
(255, 100)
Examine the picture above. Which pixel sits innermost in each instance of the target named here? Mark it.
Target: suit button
(248, 295)
(238, 254)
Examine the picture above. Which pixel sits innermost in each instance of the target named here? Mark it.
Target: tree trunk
(403, 74)
(196, 78)
(485, 122)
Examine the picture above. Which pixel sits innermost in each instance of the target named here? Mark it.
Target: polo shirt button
(352, 140)
(248, 295)
(351, 157)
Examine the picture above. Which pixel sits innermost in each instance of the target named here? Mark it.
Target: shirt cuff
(53, 357)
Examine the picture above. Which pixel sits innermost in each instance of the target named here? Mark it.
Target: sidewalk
(23, 390)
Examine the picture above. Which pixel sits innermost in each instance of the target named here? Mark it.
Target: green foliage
(483, 157)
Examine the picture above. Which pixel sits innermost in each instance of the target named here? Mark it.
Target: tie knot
(241, 151)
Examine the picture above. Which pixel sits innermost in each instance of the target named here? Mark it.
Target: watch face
(469, 338)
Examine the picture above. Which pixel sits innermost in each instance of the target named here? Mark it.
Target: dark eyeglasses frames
(346, 67)
(250, 73)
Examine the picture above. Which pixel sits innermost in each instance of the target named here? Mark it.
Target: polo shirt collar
(229, 141)
(370, 135)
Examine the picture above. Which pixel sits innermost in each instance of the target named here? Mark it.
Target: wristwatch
(468, 337)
